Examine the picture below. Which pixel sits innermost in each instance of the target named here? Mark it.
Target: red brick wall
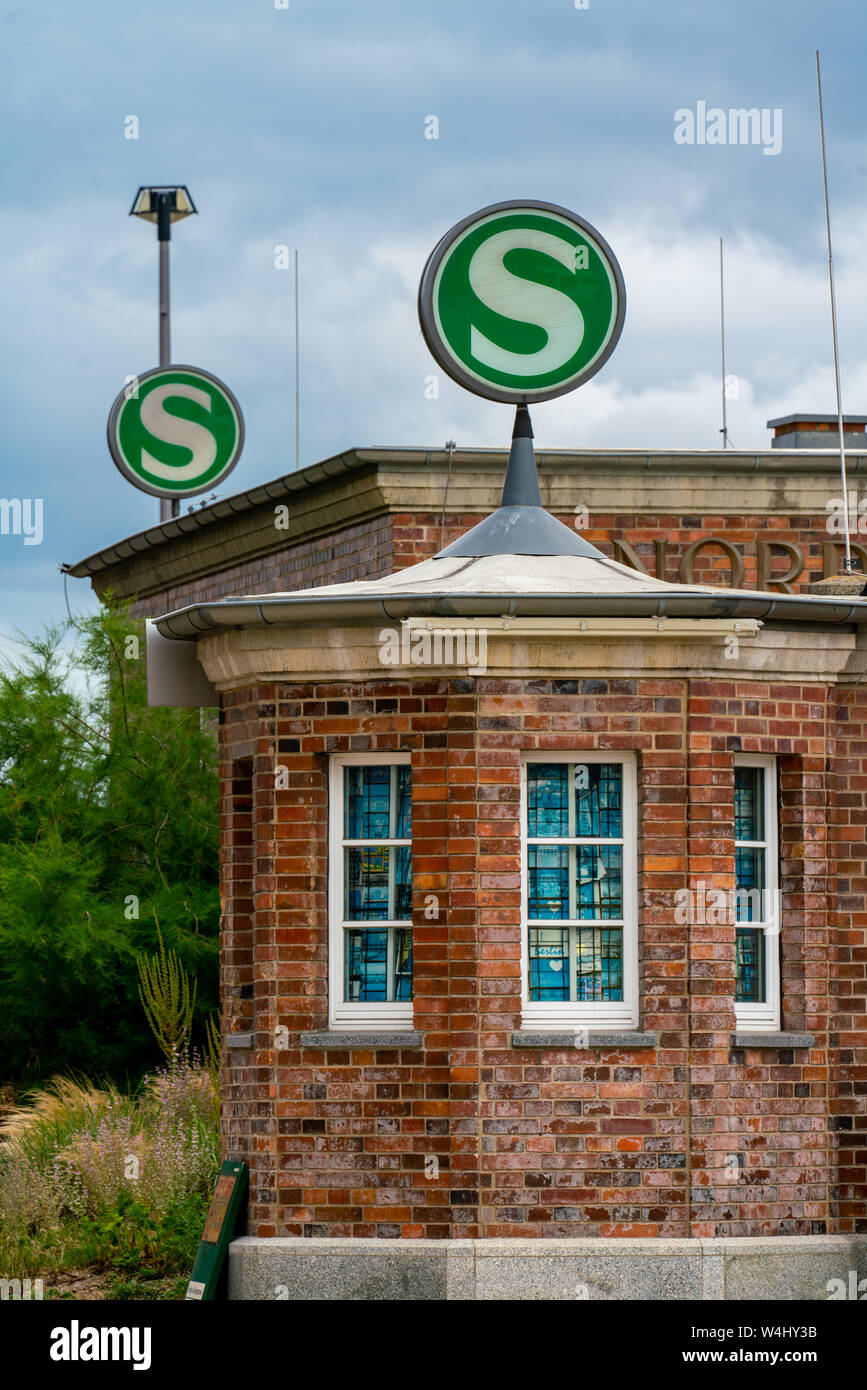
(692, 1137)
(360, 551)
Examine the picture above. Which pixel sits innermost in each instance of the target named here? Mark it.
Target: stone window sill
(742, 1039)
(394, 1038)
(625, 1039)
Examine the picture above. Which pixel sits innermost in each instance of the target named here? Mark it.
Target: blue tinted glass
(378, 883)
(366, 966)
(750, 959)
(403, 884)
(547, 800)
(598, 798)
(366, 797)
(599, 881)
(599, 965)
(548, 881)
(367, 962)
(549, 963)
(402, 963)
(403, 817)
(749, 883)
(748, 803)
(367, 884)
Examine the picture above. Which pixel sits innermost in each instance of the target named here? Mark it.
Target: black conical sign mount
(521, 525)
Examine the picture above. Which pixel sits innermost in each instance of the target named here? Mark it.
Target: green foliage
(108, 822)
(134, 1239)
(164, 991)
(115, 1182)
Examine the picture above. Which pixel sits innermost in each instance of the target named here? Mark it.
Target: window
(757, 916)
(370, 892)
(579, 890)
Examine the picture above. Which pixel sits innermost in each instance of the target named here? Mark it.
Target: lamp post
(164, 205)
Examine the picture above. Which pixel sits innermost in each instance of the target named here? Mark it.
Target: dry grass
(64, 1105)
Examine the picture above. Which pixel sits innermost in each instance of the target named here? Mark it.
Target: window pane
(750, 958)
(403, 815)
(596, 790)
(599, 968)
(547, 799)
(403, 884)
(366, 966)
(366, 797)
(549, 962)
(548, 886)
(599, 881)
(749, 884)
(402, 963)
(749, 812)
(378, 881)
(598, 795)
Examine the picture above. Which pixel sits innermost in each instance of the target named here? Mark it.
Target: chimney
(812, 431)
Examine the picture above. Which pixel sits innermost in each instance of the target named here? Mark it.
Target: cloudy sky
(305, 127)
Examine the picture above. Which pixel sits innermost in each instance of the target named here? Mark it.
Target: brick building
(544, 874)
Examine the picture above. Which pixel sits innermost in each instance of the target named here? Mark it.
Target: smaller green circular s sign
(175, 431)
(522, 301)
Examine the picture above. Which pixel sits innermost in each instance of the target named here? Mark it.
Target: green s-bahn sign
(522, 301)
(175, 431)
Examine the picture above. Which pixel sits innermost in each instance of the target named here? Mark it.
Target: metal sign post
(164, 205)
(173, 431)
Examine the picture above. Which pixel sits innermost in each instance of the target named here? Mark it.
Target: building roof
(779, 464)
(519, 561)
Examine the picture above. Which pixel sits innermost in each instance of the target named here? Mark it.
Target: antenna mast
(297, 371)
(722, 327)
(847, 563)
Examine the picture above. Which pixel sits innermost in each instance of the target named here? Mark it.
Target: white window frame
(765, 1017)
(573, 1015)
(342, 1014)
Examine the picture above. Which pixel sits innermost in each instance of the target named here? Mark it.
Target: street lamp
(164, 204)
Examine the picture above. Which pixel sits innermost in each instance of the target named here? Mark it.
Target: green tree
(108, 822)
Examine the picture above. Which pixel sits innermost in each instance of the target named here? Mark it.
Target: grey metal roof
(808, 415)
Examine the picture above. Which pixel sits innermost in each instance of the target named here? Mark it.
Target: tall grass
(92, 1175)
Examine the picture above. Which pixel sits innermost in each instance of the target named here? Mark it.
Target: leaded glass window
(757, 907)
(575, 850)
(751, 882)
(376, 853)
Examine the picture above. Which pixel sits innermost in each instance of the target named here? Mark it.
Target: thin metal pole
(165, 322)
(722, 329)
(297, 371)
(169, 506)
(847, 563)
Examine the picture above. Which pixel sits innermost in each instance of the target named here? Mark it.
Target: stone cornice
(244, 657)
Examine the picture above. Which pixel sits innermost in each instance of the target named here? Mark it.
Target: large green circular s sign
(522, 301)
(175, 431)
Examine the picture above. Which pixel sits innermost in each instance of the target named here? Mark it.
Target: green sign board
(522, 301)
(175, 431)
(227, 1202)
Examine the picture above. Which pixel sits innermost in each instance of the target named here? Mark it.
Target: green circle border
(440, 349)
